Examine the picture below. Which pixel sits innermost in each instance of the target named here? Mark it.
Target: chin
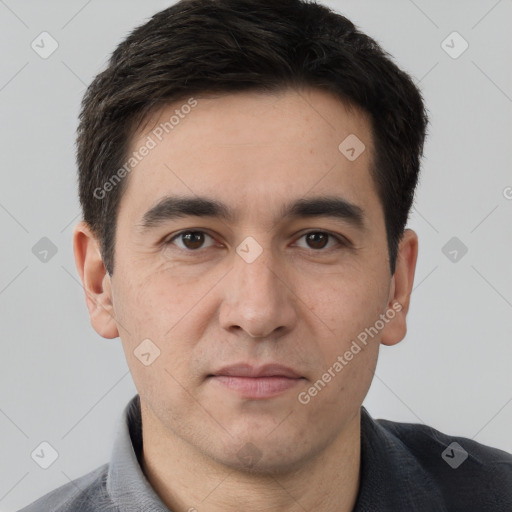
(255, 462)
(260, 455)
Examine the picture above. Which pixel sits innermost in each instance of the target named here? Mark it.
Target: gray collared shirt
(404, 468)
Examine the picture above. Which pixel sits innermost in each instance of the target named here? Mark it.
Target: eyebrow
(174, 207)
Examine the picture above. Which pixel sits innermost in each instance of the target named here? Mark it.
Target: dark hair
(227, 46)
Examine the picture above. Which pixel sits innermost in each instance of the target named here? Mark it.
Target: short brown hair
(223, 46)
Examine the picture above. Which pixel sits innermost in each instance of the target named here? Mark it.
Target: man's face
(257, 288)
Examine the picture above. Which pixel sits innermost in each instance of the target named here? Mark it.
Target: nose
(258, 298)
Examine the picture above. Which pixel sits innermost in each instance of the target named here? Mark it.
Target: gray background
(61, 383)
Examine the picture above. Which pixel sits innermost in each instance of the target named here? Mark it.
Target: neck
(187, 480)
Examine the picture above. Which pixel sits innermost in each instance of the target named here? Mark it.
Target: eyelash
(342, 242)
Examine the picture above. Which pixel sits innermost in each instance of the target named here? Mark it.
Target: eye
(190, 240)
(317, 240)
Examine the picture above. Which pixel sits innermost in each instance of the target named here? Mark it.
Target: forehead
(254, 149)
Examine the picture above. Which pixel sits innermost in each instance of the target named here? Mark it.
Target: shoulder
(466, 473)
(85, 494)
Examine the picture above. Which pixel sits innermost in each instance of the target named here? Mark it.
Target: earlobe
(401, 289)
(95, 281)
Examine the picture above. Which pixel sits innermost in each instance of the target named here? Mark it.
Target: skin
(294, 305)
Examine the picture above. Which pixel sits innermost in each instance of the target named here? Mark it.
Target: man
(246, 170)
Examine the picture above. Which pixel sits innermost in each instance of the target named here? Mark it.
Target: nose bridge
(257, 278)
(257, 300)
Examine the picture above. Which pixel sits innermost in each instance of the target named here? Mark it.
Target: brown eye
(317, 240)
(193, 239)
(190, 240)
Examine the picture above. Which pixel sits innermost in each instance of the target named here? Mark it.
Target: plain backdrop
(62, 383)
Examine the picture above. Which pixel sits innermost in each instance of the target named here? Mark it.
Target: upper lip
(267, 370)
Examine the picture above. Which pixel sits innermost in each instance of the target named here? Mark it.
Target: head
(283, 145)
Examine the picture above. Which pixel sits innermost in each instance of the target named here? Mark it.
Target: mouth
(257, 382)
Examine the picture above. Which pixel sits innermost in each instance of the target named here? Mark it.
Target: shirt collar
(390, 474)
(126, 482)
(392, 478)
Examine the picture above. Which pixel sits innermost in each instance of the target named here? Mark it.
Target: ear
(95, 281)
(401, 289)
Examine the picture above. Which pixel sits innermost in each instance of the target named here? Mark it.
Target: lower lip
(257, 387)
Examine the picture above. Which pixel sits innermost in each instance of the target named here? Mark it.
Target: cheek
(160, 333)
(170, 310)
(344, 303)
(336, 400)
(348, 306)
(155, 301)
